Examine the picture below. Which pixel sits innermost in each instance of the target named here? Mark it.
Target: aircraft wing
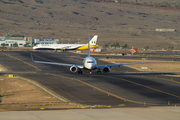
(103, 57)
(53, 63)
(111, 65)
(76, 57)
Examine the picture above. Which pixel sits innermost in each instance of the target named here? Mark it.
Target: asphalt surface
(153, 113)
(162, 58)
(112, 89)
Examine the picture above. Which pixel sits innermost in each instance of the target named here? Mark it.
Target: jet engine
(73, 69)
(106, 69)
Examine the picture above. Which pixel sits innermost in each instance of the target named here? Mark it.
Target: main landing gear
(98, 72)
(79, 71)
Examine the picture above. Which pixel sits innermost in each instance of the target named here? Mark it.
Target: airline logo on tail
(92, 43)
(93, 40)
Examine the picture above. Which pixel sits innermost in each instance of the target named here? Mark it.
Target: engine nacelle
(106, 69)
(73, 69)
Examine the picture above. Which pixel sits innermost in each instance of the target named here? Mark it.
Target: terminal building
(10, 40)
(46, 41)
(21, 41)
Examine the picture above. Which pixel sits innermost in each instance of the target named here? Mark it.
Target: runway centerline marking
(23, 61)
(146, 87)
(151, 87)
(103, 90)
(164, 79)
(3, 68)
(97, 87)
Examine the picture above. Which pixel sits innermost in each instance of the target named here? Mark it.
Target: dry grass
(19, 94)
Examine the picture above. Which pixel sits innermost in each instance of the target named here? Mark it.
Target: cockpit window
(89, 61)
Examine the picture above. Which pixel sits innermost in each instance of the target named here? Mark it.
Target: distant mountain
(76, 18)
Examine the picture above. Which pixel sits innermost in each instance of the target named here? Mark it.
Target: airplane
(90, 64)
(67, 46)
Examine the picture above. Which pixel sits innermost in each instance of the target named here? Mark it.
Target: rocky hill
(72, 20)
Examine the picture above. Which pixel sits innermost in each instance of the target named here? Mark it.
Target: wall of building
(9, 43)
(21, 41)
(46, 41)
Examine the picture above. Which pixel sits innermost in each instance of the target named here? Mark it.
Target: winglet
(103, 57)
(32, 57)
(75, 57)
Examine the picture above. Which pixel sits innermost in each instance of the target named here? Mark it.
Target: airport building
(13, 40)
(21, 41)
(46, 41)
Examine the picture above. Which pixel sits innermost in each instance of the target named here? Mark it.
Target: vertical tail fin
(93, 40)
(88, 45)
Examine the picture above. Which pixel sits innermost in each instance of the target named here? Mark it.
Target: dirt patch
(17, 94)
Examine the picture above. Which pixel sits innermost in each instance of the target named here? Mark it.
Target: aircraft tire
(98, 72)
(79, 72)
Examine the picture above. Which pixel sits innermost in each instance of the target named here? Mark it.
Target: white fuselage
(67, 46)
(57, 46)
(90, 63)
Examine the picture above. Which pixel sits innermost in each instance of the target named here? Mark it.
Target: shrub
(15, 45)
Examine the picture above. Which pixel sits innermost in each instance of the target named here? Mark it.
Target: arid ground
(72, 20)
(19, 94)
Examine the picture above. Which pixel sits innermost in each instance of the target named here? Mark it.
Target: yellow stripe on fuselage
(87, 68)
(85, 47)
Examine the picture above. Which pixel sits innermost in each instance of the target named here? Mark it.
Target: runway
(116, 89)
(150, 57)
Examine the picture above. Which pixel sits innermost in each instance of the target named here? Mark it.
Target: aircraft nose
(93, 66)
